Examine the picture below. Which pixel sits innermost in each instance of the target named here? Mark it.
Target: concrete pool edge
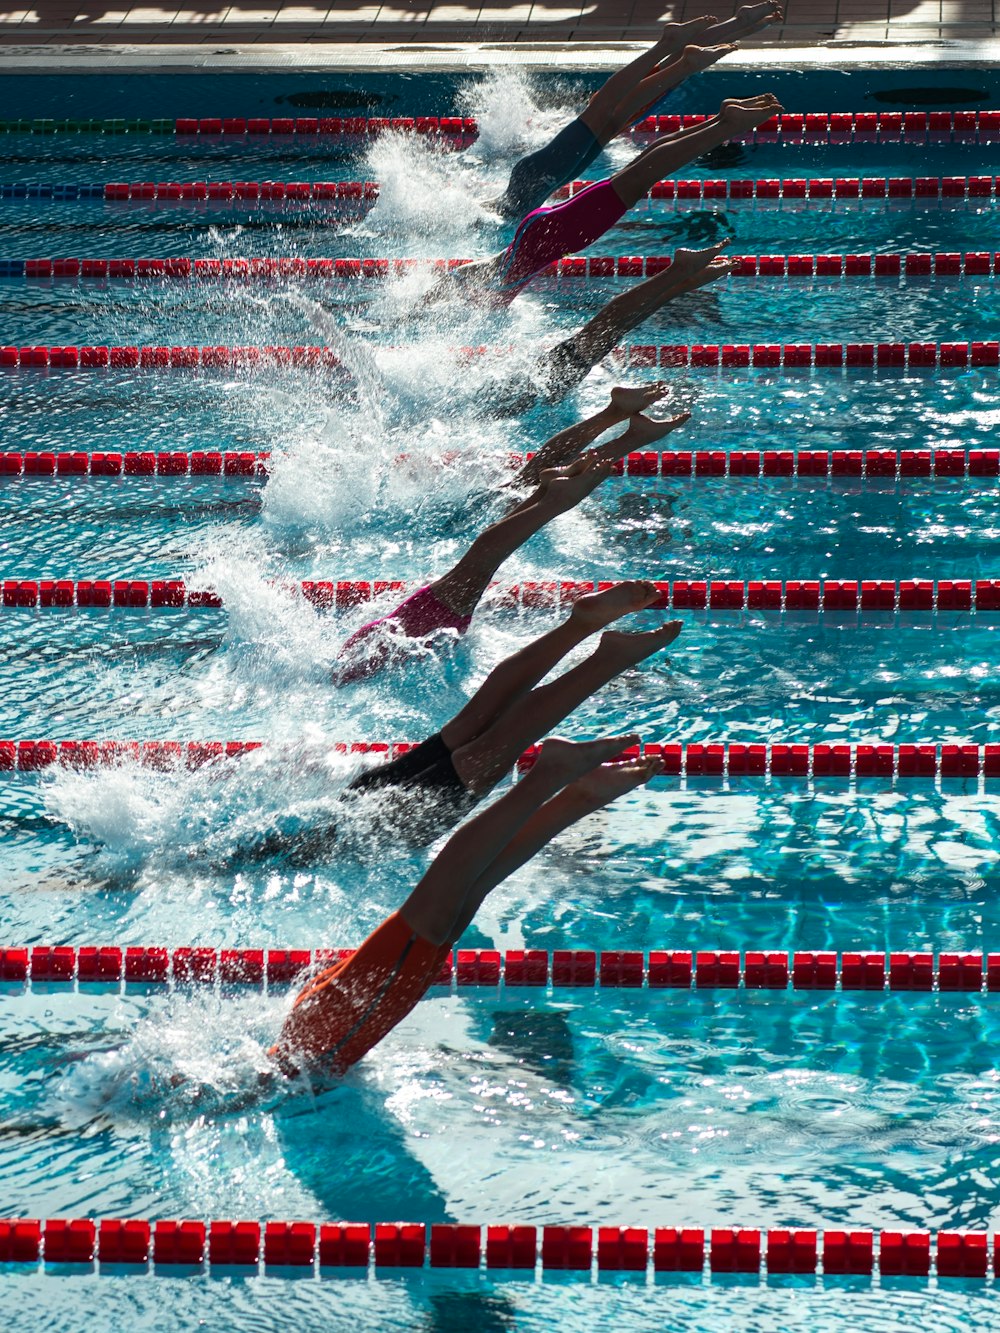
(444, 57)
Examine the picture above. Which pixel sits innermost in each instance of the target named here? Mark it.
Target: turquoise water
(604, 1107)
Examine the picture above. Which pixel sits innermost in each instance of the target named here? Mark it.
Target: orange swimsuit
(349, 1007)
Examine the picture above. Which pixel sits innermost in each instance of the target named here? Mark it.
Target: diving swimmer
(454, 768)
(625, 98)
(568, 364)
(548, 234)
(345, 1010)
(562, 477)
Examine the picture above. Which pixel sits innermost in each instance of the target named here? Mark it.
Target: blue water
(606, 1107)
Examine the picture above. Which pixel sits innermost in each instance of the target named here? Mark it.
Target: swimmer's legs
(566, 446)
(683, 49)
(512, 678)
(602, 105)
(657, 84)
(669, 154)
(567, 364)
(462, 587)
(602, 785)
(483, 761)
(439, 902)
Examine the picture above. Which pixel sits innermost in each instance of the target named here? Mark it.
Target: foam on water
(506, 104)
(197, 1054)
(425, 191)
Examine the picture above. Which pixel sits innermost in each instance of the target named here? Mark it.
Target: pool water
(597, 1106)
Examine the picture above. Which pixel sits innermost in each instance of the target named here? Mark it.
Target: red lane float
(858, 464)
(352, 194)
(846, 596)
(729, 356)
(826, 188)
(357, 196)
(929, 762)
(294, 1246)
(134, 463)
(656, 969)
(883, 126)
(271, 268)
(831, 126)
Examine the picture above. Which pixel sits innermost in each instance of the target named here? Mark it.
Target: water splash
(427, 194)
(506, 105)
(199, 1054)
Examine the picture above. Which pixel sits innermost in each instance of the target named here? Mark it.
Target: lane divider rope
(354, 195)
(849, 596)
(930, 762)
(836, 126)
(866, 464)
(656, 969)
(268, 268)
(302, 1246)
(732, 356)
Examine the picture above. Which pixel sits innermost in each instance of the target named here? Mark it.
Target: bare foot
(565, 761)
(643, 431)
(565, 487)
(550, 474)
(596, 609)
(605, 784)
(676, 36)
(698, 58)
(627, 650)
(751, 18)
(629, 401)
(686, 263)
(718, 268)
(741, 118)
(744, 102)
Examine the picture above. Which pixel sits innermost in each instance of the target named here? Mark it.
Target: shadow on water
(543, 1042)
(462, 1311)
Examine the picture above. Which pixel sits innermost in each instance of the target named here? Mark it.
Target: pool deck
(94, 34)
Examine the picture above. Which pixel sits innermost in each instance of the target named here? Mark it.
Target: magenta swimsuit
(417, 617)
(549, 234)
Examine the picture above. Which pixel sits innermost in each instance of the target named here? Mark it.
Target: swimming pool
(592, 1105)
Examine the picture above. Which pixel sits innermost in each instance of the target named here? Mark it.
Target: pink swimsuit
(416, 617)
(548, 234)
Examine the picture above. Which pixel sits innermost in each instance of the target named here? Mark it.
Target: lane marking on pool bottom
(865, 464)
(655, 969)
(731, 356)
(267, 268)
(887, 597)
(354, 198)
(887, 127)
(167, 1245)
(930, 761)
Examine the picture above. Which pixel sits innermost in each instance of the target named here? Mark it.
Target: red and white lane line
(850, 596)
(979, 263)
(164, 1246)
(729, 356)
(356, 197)
(864, 464)
(836, 126)
(930, 762)
(656, 969)
(811, 127)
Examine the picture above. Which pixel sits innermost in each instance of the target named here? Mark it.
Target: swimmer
(683, 49)
(562, 477)
(348, 1008)
(452, 770)
(569, 363)
(548, 234)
